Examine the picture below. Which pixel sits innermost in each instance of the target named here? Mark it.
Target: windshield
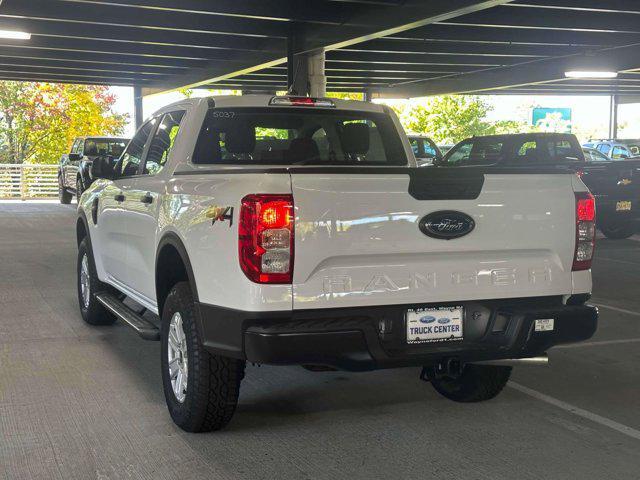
(103, 147)
(477, 151)
(298, 136)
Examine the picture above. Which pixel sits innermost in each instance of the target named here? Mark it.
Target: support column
(317, 77)
(138, 116)
(613, 117)
(297, 68)
(305, 71)
(366, 96)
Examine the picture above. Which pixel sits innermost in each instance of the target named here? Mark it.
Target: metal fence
(28, 181)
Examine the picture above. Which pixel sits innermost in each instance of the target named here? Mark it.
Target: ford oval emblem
(447, 224)
(427, 319)
(444, 320)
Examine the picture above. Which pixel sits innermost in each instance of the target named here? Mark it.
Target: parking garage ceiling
(391, 47)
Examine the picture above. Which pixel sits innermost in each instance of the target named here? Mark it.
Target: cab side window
(429, 149)
(162, 142)
(130, 161)
(460, 154)
(595, 156)
(415, 146)
(604, 148)
(620, 152)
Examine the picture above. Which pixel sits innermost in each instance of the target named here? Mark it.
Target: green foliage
(39, 121)
(452, 118)
(346, 95)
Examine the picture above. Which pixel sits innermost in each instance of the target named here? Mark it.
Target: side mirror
(624, 155)
(438, 159)
(74, 157)
(102, 167)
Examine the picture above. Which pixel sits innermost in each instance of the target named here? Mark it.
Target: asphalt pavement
(81, 402)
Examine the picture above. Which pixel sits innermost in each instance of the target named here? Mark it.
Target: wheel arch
(83, 174)
(172, 266)
(82, 228)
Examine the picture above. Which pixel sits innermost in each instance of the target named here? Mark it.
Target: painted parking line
(594, 417)
(601, 343)
(617, 309)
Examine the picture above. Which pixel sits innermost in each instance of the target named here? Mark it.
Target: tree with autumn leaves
(38, 121)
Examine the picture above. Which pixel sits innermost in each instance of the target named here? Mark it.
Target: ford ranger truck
(299, 231)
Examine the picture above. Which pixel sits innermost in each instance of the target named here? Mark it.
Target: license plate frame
(434, 324)
(623, 206)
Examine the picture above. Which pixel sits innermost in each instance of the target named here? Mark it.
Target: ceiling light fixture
(585, 74)
(14, 34)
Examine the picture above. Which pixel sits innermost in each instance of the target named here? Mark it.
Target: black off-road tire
(63, 195)
(213, 381)
(618, 231)
(94, 313)
(477, 383)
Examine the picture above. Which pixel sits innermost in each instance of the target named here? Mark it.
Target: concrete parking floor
(80, 402)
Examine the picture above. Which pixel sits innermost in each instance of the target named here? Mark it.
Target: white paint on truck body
(357, 241)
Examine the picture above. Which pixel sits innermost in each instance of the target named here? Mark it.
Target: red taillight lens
(276, 214)
(585, 231)
(265, 238)
(302, 102)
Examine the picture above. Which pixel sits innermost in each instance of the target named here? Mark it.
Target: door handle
(119, 198)
(147, 198)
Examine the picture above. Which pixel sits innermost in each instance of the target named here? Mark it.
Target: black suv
(74, 172)
(425, 150)
(614, 184)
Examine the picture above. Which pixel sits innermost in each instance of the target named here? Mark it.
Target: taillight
(265, 238)
(585, 231)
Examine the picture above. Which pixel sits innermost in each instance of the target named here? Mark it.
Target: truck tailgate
(358, 241)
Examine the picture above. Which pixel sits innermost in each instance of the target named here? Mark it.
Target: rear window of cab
(298, 136)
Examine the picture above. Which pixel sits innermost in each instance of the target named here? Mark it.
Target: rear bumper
(351, 339)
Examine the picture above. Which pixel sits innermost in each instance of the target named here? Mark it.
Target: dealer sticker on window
(426, 325)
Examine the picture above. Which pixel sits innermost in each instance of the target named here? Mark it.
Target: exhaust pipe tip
(540, 361)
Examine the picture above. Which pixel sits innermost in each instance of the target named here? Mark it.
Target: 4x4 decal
(220, 214)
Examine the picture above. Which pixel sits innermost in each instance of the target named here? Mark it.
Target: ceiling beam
(309, 11)
(131, 17)
(594, 6)
(402, 47)
(377, 21)
(42, 27)
(94, 57)
(449, 32)
(122, 48)
(523, 74)
(551, 19)
(72, 64)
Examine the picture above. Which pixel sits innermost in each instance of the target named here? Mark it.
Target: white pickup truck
(298, 231)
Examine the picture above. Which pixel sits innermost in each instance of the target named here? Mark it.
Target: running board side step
(142, 326)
